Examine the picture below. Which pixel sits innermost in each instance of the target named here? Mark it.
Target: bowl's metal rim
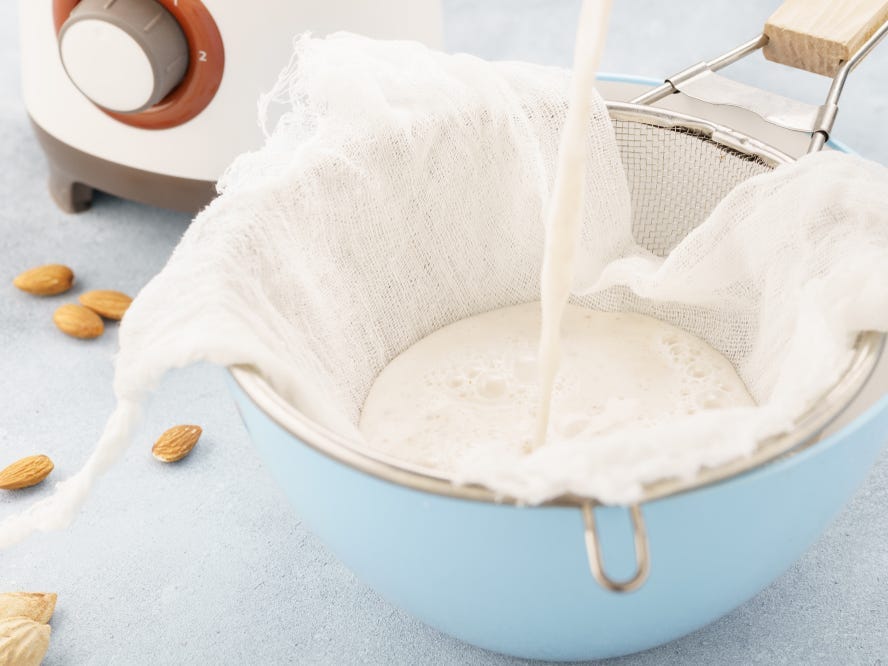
(830, 406)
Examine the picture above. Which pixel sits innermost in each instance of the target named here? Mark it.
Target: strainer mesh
(676, 177)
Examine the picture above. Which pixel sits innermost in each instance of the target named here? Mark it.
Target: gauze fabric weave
(401, 189)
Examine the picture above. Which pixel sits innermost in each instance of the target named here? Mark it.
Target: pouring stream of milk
(566, 206)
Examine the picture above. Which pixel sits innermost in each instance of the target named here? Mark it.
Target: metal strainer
(665, 153)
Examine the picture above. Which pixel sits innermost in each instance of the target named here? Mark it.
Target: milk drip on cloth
(402, 190)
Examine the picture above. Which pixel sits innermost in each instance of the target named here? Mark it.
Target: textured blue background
(204, 562)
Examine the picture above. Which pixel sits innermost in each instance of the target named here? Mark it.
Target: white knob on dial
(124, 55)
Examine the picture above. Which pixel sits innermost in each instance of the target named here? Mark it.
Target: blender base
(74, 175)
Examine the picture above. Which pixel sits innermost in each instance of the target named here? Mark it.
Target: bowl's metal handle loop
(700, 82)
(593, 551)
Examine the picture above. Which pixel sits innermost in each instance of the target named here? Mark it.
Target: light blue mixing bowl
(517, 580)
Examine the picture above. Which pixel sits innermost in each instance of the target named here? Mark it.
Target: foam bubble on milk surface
(474, 385)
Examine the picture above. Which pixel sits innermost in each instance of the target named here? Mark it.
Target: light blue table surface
(204, 562)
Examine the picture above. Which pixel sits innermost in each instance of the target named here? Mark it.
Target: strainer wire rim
(803, 436)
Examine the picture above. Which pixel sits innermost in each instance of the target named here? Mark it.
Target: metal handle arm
(698, 81)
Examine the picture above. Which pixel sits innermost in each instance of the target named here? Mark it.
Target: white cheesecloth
(401, 189)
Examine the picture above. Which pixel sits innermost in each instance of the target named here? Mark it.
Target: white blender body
(99, 78)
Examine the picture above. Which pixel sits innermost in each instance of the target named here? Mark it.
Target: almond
(78, 321)
(176, 443)
(110, 304)
(23, 642)
(37, 606)
(45, 280)
(25, 473)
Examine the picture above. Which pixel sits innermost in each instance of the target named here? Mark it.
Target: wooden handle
(818, 35)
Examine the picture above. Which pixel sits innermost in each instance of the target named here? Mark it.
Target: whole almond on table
(25, 473)
(176, 443)
(78, 321)
(45, 280)
(36, 606)
(23, 642)
(106, 302)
